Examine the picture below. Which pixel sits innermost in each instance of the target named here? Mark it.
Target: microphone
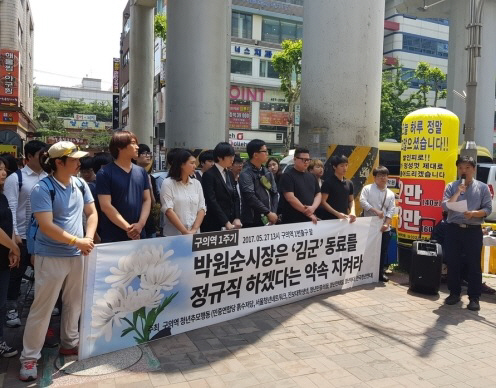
(463, 182)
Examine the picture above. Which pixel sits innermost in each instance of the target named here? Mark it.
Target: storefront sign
(270, 117)
(8, 149)
(239, 116)
(9, 118)
(9, 77)
(143, 290)
(429, 148)
(78, 116)
(267, 136)
(251, 51)
(85, 124)
(75, 139)
(247, 93)
(115, 111)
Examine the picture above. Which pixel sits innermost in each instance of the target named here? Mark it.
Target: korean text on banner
(138, 291)
(429, 148)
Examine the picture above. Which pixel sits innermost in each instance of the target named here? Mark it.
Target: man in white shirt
(17, 189)
(377, 200)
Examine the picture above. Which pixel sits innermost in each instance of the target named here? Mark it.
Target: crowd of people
(62, 202)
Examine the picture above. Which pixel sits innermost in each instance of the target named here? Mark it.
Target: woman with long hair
(182, 197)
(274, 168)
(9, 257)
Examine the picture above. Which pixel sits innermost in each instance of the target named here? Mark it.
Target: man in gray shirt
(464, 232)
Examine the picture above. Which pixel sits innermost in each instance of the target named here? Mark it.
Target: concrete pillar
(198, 70)
(341, 78)
(486, 74)
(141, 68)
(255, 114)
(486, 78)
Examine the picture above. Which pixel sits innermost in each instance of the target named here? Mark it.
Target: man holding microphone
(464, 232)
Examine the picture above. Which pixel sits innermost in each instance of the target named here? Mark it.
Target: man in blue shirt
(58, 202)
(123, 192)
(464, 232)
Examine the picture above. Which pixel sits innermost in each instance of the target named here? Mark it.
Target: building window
(19, 31)
(125, 59)
(241, 65)
(241, 25)
(425, 46)
(267, 70)
(275, 30)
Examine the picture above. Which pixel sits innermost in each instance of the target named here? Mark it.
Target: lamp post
(474, 52)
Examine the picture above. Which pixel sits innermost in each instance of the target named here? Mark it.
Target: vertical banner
(429, 148)
(139, 291)
(9, 77)
(116, 98)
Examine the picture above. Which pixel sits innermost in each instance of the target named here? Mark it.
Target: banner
(9, 77)
(240, 116)
(138, 291)
(269, 117)
(429, 148)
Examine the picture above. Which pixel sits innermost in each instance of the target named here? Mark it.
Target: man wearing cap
(464, 232)
(58, 202)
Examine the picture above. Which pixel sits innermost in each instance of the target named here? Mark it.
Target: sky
(75, 39)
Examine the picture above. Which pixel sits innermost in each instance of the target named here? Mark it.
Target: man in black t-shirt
(301, 191)
(337, 192)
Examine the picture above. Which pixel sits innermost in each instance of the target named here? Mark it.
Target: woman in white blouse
(182, 197)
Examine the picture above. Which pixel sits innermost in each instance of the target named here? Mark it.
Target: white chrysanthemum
(107, 311)
(141, 298)
(136, 264)
(162, 277)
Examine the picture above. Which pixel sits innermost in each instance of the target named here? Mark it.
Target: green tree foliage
(48, 112)
(394, 107)
(287, 63)
(160, 26)
(430, 78)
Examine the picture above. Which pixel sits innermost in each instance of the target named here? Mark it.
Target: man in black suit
(221, 198)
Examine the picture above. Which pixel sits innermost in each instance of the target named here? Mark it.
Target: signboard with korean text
(115, 76)
(240, 116)
(8, 149)
(266, 136)
(85, 124)
(9, 118)
(276, 118)
(429, 148)
(9, 77)
(139, 291)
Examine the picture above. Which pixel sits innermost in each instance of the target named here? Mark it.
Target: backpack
(33, 225)
(19, 178)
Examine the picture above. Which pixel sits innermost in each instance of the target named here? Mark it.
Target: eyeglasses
(304, 160)
(146, 154)
(263, 151)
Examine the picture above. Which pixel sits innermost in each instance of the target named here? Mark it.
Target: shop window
(241, 25)
(241, 65)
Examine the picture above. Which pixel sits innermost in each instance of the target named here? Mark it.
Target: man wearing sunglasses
(301, 191)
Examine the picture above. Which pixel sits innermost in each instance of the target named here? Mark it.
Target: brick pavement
(371, 336)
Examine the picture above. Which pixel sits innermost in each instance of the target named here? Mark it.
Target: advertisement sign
(270, 117)
(429, 149)
(78, 116)
(139, 291)
(9, 77)
(247, 93)
(115, 111)
(115, 77)
(240, 116)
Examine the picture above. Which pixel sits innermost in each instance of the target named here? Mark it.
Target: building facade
(89, 91)
(16, 72)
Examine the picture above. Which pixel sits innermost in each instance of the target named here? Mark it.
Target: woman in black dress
(9, 257)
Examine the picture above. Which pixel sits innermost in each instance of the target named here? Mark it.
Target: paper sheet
(460, 206)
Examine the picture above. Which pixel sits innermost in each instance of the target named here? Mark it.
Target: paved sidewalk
(371, 336)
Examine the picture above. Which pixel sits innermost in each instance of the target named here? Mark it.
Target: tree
(287, 63)
(394, 107)
(430, 78)
(160, 26)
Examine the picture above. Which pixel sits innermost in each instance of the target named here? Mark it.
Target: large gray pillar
(341, 81)
(141, 51)
(486, 73)
(197, 72)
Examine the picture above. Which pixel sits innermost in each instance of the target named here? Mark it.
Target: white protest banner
(138, 291)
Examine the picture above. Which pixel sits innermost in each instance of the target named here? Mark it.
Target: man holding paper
(464, 232)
